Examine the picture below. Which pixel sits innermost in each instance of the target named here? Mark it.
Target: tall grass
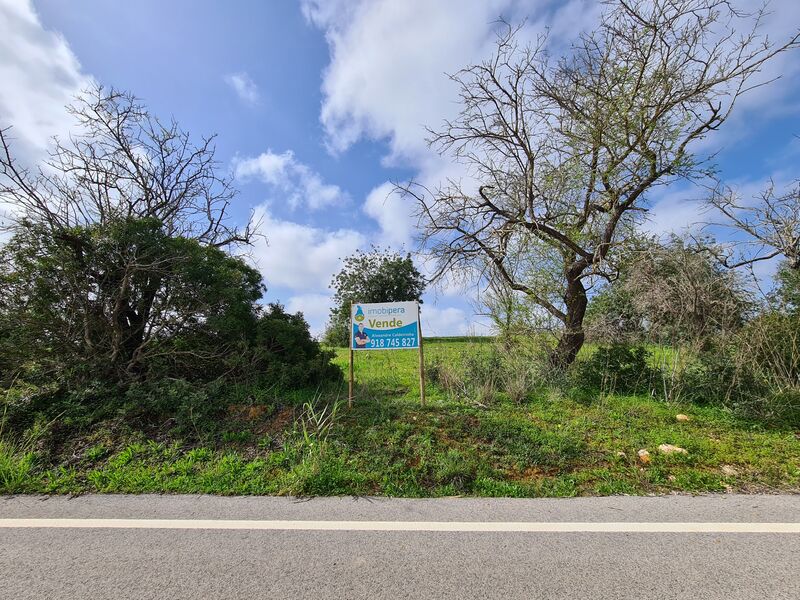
(16, 460)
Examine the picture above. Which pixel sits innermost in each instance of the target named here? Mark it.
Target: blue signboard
(384, 326)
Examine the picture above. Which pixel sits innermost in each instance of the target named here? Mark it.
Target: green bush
(284, 353)
(187, 408)
(475, 375)
(617, 369)
(755, 372)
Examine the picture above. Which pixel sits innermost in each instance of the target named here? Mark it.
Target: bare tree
(122, 162)
(770, 224)
(565, 152)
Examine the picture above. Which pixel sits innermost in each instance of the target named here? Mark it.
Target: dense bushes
(285, 355)
(121, 301)
(618, 369)
(277, 355)
(755, 372)
(124, 301)
(119, 320)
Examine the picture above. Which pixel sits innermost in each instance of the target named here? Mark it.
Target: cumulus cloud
(299, 184)
(448, 321)
(40, 76)
(675, 211)
(394, 215)
(300, 257)
(389, 60)
(245, 88)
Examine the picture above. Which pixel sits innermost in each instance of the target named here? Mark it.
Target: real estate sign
(384, 326)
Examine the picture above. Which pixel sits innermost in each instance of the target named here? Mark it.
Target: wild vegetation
(136, 354)
(563, 153)
(123, 303)
(491, 426)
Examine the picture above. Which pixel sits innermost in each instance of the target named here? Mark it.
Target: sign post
(421, 366)
(350, 394)
(386, 326)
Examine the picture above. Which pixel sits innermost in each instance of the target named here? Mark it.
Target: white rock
(670, 449)
(644, 456)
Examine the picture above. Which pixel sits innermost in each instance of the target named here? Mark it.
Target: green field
(548, 443)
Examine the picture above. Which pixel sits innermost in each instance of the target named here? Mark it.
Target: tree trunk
(572, 339)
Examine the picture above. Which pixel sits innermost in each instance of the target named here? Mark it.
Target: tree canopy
(374, 276)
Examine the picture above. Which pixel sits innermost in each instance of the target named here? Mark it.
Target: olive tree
(561, 154)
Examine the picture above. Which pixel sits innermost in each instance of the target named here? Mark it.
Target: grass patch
(547, 442)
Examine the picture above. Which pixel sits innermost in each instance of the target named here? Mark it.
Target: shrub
(618, 369)
(285, 355)
(756, 372)
(131, 302)
(478, 375)
(177, 404)
(474, 376)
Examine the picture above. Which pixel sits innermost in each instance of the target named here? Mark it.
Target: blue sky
(319, 104)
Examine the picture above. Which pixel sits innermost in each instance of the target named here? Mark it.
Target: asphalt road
(596, 548)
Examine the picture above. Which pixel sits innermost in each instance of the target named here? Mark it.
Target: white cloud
(40, 76)
(389, 60)
(299, 184)
(300, 257)
(244, 86)
(394, 214)
(779, 98)
(676, 210)
(450, 321)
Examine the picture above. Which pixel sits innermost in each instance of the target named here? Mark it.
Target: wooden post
(421, 361)
(350, 395)
(350, 326)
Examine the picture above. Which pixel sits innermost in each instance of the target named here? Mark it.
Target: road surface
(209, 547)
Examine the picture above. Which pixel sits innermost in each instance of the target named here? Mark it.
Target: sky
(320, 105)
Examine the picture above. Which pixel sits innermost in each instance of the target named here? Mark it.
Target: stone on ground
(670, 449)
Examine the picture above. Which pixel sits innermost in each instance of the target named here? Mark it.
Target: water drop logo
(359, 315)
